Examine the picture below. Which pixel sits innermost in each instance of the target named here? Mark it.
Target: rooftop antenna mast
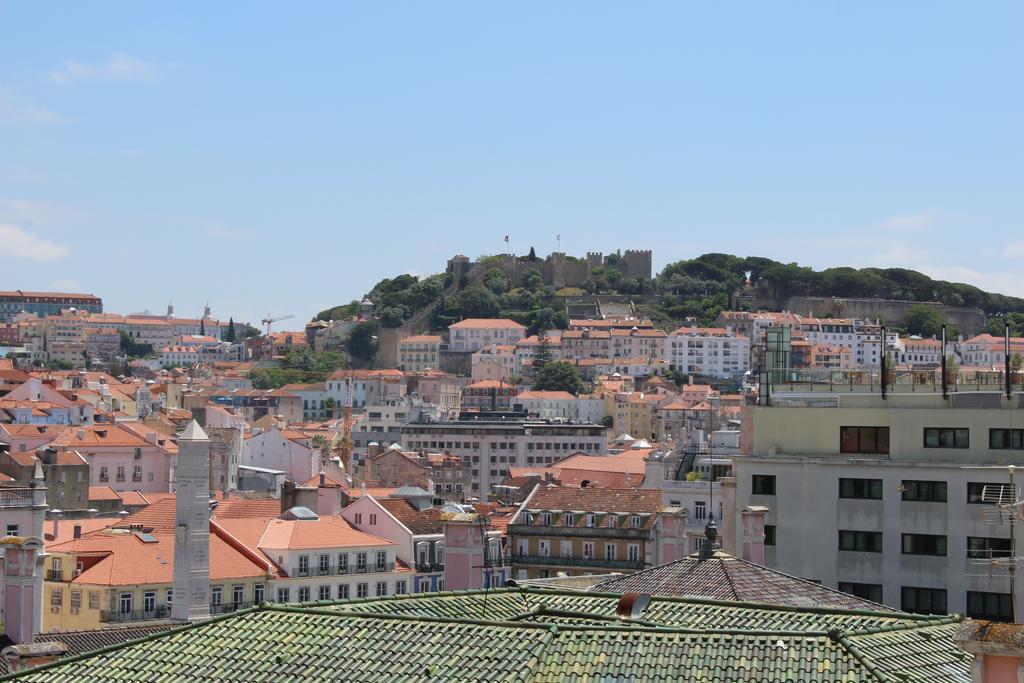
(1003, 506)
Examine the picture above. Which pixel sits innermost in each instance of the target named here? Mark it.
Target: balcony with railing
(15, 498)
(54, 575)
(341, 570)
(118, 617)
(229, 607)
(429, 567)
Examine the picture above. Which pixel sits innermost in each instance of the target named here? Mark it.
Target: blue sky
(284, 157)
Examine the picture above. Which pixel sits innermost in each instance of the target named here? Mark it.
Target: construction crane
(268, 321)
(346, 427)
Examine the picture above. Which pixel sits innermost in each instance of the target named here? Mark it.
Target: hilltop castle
(558, 269)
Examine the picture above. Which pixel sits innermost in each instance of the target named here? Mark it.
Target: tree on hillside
(558, 376)
(362, 342)
(924, 321)
(475, 302)
(495, 280)
(533, 254)
(202, 327)
(542, 356)
(230, 335)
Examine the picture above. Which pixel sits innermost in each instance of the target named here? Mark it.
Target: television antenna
(1003, 506)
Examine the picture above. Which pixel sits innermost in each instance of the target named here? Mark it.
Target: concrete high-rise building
(191, 594)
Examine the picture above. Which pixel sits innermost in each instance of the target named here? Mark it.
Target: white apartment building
(473, 334)
(918, 352)
(988, 351)
(560, 405)
(709, 351)
(883, 498)
(419, 352)
(860, 336)
(493, 447)
(638, 343)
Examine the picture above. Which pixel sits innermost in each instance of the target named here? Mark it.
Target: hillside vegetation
(698, 288)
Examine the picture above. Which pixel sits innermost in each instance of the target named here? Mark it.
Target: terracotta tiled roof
(422, 339)
(547, 395)
(238, 508)
(376, 492)
(66, 528)
(99, 435)
(417, 521)
(130, 561)
(592, 499)
(103, 493)
(486, 323)
(729, 578)
(329, 531)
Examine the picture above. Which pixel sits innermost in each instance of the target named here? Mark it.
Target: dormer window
(545, 519)
(634, 522)
(591, 519)
(613, 521)
(527, 518)
(568, 519)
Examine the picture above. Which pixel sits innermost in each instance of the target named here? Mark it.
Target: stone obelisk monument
(191, 599)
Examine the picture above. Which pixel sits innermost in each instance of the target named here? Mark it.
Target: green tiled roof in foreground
(534, 635)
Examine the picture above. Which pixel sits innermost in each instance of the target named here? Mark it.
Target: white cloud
(20, 109)
(119, 67)
(20, 244)
(914, 221)
(995, 282)
(1014, 250)
(65, 284)
(30, 212)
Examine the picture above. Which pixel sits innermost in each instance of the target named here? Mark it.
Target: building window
(359, 518)
(362, 590)
(283, 595)
(545, 519)
(216, 596)
(870, 489)
(633, 552)
(984, 492)
(76, 601)
(324, 593)
(12, 530)
(861, 541)
(568, 519)
(258, 593)
(343, 591)
(769, 534)
(634, 522)
(382, 561)
(125, 603)
(609, 551)
(991, 606)
(982, 548)
(149, 602)
(1006, 439)
(56, 597)
(924, 491)
(400, 587)
(924, 544)
(613, 521)
(543, 547)
(946, 437)
(94, 599)
(565, 549)
(325, 565)
(303, 565)
(304, 593)
(361, 562)
(923, 600)
(865, 591)
(762, 485)
(373, 519)
(382, 588)
(588, 551)
(864, 439)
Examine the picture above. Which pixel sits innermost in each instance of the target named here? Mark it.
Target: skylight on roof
(300, 513)
(145, 538)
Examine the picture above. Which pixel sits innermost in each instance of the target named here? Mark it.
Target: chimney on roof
(56, 515)
(753, 533)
